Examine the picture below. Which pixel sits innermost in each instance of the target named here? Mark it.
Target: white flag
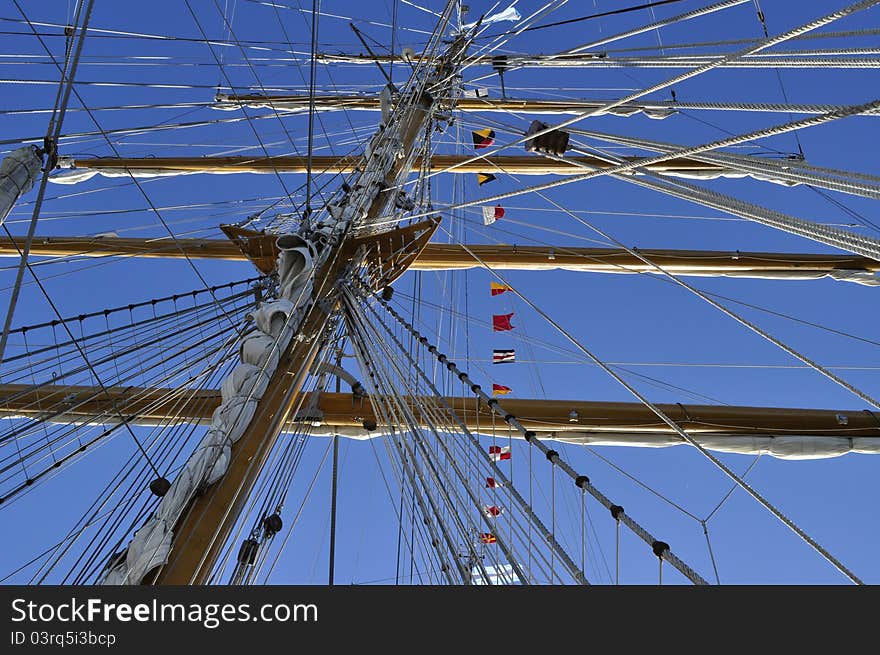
(479, 92)
(510, 14)
(492, 214)
(488, 215)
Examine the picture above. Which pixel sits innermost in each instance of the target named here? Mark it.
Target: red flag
(487, 538)
(499, 452)
(492, 483)
(492, 510)
(501, 322)
(500, 390)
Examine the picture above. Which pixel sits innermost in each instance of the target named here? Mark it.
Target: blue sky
(639, 320)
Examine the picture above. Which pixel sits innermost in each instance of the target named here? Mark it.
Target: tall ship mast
(439, 292)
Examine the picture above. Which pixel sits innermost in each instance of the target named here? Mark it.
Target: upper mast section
(183, 539)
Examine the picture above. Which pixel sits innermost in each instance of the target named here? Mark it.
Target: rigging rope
(761, 45)
(500, 476)
(53, 131)
(682, 433)
(552, 456)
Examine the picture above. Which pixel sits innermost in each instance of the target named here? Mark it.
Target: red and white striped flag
(492, 511)
(503, 355)
(492, 483)
(499, 452)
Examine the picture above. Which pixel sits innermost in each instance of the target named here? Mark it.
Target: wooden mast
(204, 527)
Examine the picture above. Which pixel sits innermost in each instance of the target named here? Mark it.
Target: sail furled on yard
(72, 170)
(789, 447)
(783, 446)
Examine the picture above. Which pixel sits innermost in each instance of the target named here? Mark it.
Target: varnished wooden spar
(652, 108)
(514, 164)
(163, 248)
(441, 256)
(343, 410)
(366, 103)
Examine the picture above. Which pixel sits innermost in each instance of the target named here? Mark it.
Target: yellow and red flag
(500, 390)
(496, 288)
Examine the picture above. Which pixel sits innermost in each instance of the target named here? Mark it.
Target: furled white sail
(789, 447)
(77, 175)
(18, 173)
(241, 390)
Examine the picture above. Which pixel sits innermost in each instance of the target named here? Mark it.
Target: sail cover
(18, 173)
(788, 447)
(82, 173)
(276, 322)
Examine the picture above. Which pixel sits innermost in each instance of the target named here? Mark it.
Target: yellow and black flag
(483, 138)
(482, 178)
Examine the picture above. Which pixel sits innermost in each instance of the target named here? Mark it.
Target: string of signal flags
(500, 323)
(555, 142)
(484, 139)
(496, 454)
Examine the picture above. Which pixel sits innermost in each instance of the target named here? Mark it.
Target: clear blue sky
(634, 319)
